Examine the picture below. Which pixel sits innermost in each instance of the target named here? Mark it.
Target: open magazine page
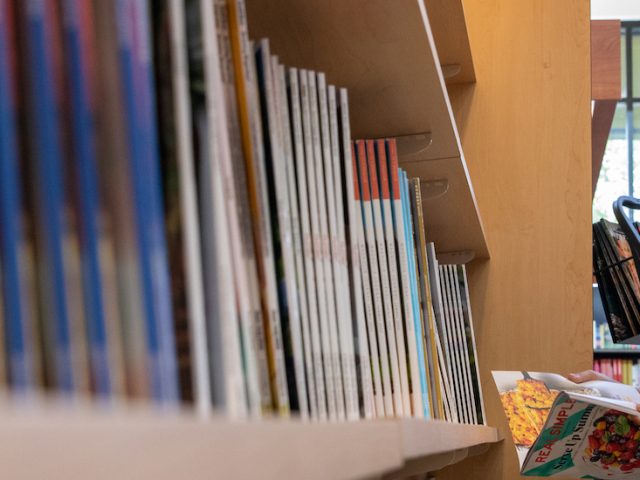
(560, 428)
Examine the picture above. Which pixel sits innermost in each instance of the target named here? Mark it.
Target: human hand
(589, 376)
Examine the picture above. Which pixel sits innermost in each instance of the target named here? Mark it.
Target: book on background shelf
(618, 283)
(203, 231)
(568, 430)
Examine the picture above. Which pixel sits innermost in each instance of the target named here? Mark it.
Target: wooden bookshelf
(396, 87)
(134, 444)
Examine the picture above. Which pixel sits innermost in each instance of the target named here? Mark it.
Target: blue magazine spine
(49, 186)
(406, 210)
(140, 111)
(76, 36)
(18, 348)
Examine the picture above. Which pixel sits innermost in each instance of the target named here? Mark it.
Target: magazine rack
(631, 232)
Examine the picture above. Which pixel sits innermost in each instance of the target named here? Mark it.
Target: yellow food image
(535, 394)
(522, 429)
(527, 408)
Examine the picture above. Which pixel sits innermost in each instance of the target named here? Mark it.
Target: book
(392, 265)
(426, 303)
(335, 392)
(304, 248)
(317, 307)
(563, 429)
(17, 351)
(254, 348)
(277, 188)
(181, 203)
(348, 322)
(118, 216)
(78, 45)
(354, 247)
(415, 298)
(47, 150)
(220, 234)
(247, 98)
(384, 276)
(293, 246)
(340, 317)
(385, 358)
(365, 251)
(400, 233)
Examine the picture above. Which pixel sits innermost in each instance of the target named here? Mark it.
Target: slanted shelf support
(431, 189)
(410, 146)
(456, 258)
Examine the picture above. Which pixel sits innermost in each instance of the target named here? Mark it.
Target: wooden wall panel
(525, 130)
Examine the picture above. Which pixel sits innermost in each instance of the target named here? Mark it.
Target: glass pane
(623, 52)
(614, 174)
(635, 59)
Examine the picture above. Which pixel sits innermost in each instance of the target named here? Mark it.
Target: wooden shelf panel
(453, 220)
(395, 83)
(141, 445)
(613, 352)
(451, 38)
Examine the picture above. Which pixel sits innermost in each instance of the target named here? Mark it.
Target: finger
(582, 377)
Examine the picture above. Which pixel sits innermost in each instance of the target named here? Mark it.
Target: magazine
(565, 429)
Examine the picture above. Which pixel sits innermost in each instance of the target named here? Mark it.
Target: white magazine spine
(327, 306)
(467, 299)
(319, 335)
(302, 239)
(286, 232)
(348, 317)
(229, 382)
(335, 286)
(453, 272)
(189, 213)
(280, 395)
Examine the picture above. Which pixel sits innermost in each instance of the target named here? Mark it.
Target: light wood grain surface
(525, 129)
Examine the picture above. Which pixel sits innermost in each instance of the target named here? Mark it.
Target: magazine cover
(569, 430)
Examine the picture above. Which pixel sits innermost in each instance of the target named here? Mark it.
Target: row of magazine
(624, 370)
(618, 283)
(602, 338)
(185, 220)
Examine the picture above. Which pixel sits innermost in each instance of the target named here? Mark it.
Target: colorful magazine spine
(361, 196)
(252, 144)
(405, 279)
(48, 153)
(415, 297)
(138, 86)
(383, 266)
(254, 348)
(392, 266)
(15, 324)
(221, 230)
(78, 33)
(374, 266)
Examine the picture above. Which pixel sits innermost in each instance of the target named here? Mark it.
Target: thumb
(582, 377)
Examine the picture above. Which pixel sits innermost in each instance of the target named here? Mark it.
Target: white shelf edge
(62, 443)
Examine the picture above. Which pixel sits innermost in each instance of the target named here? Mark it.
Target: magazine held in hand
(570, 430)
